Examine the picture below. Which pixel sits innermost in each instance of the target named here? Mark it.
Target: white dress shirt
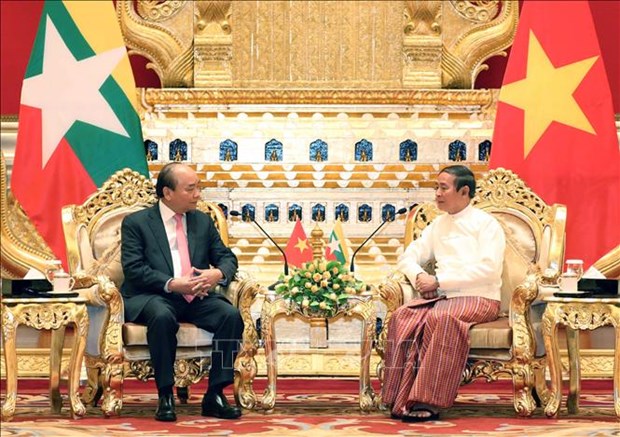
(468, 248)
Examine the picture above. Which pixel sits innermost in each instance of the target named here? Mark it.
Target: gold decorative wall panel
(318, 44)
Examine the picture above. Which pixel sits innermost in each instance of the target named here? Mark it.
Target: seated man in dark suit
(173, 257)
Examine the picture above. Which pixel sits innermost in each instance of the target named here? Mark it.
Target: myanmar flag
(78, 122)
(298, 250)
(337, 249)
(555, 123)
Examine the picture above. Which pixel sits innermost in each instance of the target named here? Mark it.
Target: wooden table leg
(9, 329)
(365, 311)
(58, 337)
(550, 328)
(367, 394)
(574, 370)
(271, 356)
(75, 366)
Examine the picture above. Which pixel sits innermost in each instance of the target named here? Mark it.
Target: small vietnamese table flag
(78, 122)
(555, 123)
(298, 250)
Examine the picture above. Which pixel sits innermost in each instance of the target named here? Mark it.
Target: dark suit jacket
(147, 260)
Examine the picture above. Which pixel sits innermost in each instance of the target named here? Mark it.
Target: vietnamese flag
(298, 250)
(555, 123)
(78, 122)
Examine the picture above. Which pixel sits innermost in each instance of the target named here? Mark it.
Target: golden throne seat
(512, 344)
(117, 349)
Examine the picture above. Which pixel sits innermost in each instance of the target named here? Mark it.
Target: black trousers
(214, 313)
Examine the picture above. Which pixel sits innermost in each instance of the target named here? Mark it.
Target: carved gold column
(212, 44)
(422, 44)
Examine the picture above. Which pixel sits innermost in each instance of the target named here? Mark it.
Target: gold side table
(361, 306)
(44, 313)
(577, 314)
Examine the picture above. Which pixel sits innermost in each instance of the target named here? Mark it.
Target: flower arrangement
(320, 287)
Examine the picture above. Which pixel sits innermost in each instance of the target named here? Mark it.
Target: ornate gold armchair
(510, 345)
(117, 349)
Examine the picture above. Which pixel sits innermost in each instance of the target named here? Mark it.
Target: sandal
(407, 418)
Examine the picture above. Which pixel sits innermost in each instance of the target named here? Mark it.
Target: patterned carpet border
(316, 408)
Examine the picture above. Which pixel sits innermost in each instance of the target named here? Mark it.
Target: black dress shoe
(165, 409)
(216, 405)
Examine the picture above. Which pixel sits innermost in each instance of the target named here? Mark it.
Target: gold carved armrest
(523, 345)
(392, 294)
(242, 292)
(106, 315)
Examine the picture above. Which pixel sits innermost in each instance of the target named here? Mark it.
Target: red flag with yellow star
(298, 249)
(555, 123)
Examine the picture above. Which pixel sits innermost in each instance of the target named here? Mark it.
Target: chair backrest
(92, 230)
(535, 232)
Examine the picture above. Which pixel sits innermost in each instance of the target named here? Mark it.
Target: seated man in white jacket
(428, 338)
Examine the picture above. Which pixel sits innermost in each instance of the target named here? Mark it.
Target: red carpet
(314, 407)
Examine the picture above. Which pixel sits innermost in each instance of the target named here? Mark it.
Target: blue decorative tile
(248, 212)
(318, 150)
(408, 151)
(294, 212)
(364, 213)
(228, 150)
(272, 213)
(273, 150)
(150, 149)
(484, 150)
(457, 151)
(363, 150)
(178, 150)
(318, 212)
(342, 212)
(388, 212)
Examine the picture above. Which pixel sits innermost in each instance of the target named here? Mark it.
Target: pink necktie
(186, 264)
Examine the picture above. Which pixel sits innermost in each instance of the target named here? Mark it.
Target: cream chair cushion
(492, 335)
(188, 336)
